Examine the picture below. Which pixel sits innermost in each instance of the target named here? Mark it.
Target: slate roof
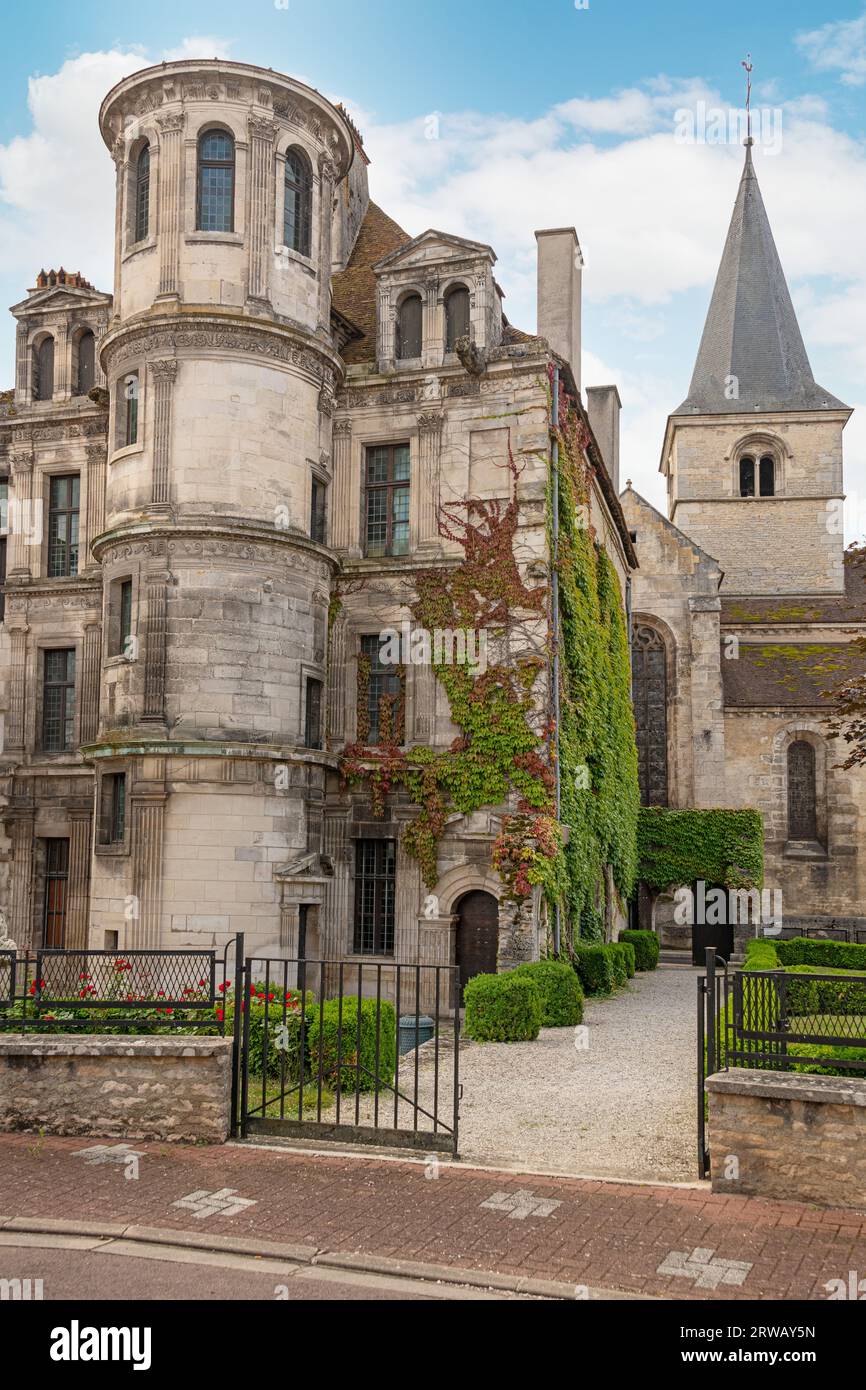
(767, 674)
(849, 607)
(751, 331)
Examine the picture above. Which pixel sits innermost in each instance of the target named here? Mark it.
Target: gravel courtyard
(624, 1107)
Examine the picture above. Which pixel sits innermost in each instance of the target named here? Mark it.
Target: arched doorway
(477, 935)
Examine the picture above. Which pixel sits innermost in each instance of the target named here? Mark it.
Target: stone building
(277, 397)
(744, 605)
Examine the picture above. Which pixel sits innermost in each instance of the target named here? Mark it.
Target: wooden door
(477, 936)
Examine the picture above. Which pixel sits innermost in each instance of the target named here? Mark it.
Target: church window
(456, 316)
(298, 204)
(650, 698)
(409, 327)
(767, 476)
(802, 810)
(216, 182)
(142, 194)
(747, 477)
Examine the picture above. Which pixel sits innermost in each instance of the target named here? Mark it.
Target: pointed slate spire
(751, 333)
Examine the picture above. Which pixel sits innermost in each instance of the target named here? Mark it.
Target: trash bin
(412, 1031)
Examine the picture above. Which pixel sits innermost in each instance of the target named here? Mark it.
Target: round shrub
(595, 968)
(502, 1008)
(624, 952)
(561, 992)
(646, 948)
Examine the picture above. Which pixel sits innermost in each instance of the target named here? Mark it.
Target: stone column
(154, 645)
(386, 321)
(90, 672)
(25, 519)
(343, 526)
(170, 202)
(261, 204)
(327, 178)
(163, 374)
(337, 682)
(78, 913)
(430, 434)
(148, 823)
(433, 345)
(15, 732)
(21, 924)
(96, 462)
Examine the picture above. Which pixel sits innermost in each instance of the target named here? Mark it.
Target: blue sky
(546, 113)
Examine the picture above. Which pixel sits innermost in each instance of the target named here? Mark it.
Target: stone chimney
(560, 267)
(603, 406)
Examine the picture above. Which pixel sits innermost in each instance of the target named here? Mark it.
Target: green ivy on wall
(724, 848)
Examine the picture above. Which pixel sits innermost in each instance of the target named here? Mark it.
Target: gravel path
(622, 1108)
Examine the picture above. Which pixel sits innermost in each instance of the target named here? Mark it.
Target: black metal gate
(714, 1023)
(349, 1051)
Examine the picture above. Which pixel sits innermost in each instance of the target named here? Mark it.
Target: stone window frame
(37, 341)
(758, 445)
(192, 234)
(112, 588)
(117, 418)
(285, 141)
(149, 136)
(77, 331)
(458, 282)
(319, 476)
(410, 291)
(57, 641)
(804, 733)
(43, 472)
(671, 649)
(309, 673)
(105, 847)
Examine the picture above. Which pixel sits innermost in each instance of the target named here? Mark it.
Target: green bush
(283, 1048)
(560, 989)
(350, 1038)
(624, 950)
(646, 948)
(503, 1008)
(800, 950)
(596, 968)
(828, 1055)
(761, 954)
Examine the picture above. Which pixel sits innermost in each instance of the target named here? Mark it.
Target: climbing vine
(506, 750)
(724, 848)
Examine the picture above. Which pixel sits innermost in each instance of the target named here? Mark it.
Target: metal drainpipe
(628, 609)
(557, 921)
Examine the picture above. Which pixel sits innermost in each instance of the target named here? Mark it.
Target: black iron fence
(8, 971)
(351, 1051)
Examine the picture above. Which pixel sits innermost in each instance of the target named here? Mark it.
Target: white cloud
(839, 46)
(199, 46)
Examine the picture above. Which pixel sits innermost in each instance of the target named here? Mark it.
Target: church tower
(753, 456)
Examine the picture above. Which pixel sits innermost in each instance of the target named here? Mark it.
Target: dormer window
(409, 328)
(456, 316)
(43, 370)
(86, 367)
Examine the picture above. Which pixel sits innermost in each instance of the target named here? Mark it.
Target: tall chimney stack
(603, 406)
(560, 267)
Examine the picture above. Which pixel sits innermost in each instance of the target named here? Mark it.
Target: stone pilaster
(155, 645)
(423, 704)
(148, 825)
(407, 900)
(261, 204)
(78, 912)
(432, 335)
(171, 201)
(17, 687)
(437, 946)
(341, 514)
(708, 723)
(386, 320)
(163, 374)
(61, 360)
(90, 671)
(327, 177)
(335, 919)
(25, 520)
(22, 366)
(21, 904)
(118, 154)
(430, 435)
(337, 682)
(96, 463)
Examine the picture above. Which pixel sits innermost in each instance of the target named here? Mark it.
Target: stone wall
(123, 1087)
(797, 1137)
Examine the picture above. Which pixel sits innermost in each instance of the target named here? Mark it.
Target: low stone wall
(779, 1134)
(107, 1085)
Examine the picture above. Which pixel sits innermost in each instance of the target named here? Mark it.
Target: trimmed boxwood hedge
(561, 992)
(597, 968)
(322, 1036)
(624, 951)
(502, 1008)
(646, 948)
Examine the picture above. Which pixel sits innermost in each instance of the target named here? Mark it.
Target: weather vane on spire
(747, 64)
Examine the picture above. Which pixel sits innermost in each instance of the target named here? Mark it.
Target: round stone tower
(221, 370)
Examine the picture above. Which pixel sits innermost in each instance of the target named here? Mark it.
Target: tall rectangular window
(313, 721)
(380, 714)
(4, 528)
(127, 410)
(318, 497)
(387, 492)
(56, 893)
(64, 495)
(58, 700)
(112, 820)
(125, 614)
(375, 877)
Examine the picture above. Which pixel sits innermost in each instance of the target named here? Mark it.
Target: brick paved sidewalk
(580, 1232)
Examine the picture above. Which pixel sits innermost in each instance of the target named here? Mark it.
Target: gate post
(236, 1032)
(711, 1010)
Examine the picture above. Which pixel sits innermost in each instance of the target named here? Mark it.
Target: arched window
(86, 377)
(142, 194)
(747, 476)
(650, 697)
(43, 370)
(456, 316)
(802, 808)
(298, 205)
(409, 327)
(767, 476)
(216, 182)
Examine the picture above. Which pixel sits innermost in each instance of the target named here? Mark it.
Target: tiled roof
(354, 289)
(767, 674)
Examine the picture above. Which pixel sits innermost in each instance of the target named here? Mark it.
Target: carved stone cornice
(245, 540)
